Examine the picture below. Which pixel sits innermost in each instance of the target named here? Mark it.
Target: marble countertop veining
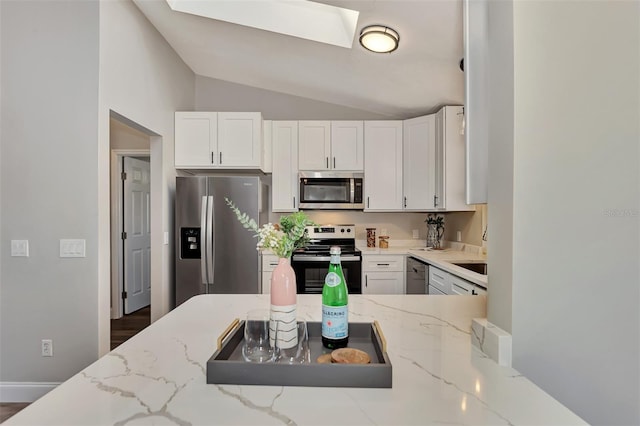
(158, 376)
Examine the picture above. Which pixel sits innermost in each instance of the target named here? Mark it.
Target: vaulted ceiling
(417, 78)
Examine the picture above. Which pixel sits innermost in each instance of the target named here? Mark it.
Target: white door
(137, 234)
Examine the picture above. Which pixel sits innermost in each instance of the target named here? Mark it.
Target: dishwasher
(416, 276)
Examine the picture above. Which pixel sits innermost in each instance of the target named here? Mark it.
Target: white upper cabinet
(239, 139)
(228, 140)
(450, 162)
(347, 145)
(419, 163)
(196, 139)
(331, 145)
(383, 165)
(284, 178)
(314, 145)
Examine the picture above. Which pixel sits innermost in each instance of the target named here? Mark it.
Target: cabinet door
(314, 145)
(239, 139)
(450, 162)
(195, 139)
(439, 163)
(383, 165)
(418, 166)
(267, 156)
(347, 145)
(284, 179)
(383, 283)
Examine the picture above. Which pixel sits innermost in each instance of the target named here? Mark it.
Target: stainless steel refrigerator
(214, 252)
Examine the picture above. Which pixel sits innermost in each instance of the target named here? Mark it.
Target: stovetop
(323, 237)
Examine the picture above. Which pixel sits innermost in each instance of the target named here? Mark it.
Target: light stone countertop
(158, 376)
(439, 258)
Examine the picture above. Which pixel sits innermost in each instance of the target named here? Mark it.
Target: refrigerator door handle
(211, 246)
(204, 247)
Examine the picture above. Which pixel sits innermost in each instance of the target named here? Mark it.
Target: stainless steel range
(312, 262)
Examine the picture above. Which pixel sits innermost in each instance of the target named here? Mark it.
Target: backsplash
(400, 226)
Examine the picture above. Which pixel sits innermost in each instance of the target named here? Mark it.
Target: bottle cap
(334, 250)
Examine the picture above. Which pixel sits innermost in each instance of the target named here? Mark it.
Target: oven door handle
(313, 258)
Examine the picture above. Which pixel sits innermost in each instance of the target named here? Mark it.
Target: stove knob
(342, 230)
(348, 229)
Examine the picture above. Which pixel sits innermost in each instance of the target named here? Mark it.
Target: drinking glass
(257, 346)
(292, 342)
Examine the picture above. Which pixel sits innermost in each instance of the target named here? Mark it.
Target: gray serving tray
(226, 365)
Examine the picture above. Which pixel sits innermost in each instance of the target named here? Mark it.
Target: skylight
(298, 18)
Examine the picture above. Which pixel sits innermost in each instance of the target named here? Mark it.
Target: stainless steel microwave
(331, 190)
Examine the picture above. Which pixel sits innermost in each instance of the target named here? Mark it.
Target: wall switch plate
(47, 347)
(72, 248)
(416, 234)
(20, 248)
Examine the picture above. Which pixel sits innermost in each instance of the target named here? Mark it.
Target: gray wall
(575, 204)
(48, 126)
(218, 95)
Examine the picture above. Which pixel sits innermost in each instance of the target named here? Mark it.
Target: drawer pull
(383, 264)
(227, 331)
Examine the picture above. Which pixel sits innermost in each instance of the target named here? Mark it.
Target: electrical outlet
(416, 234)
(47, 347)
(459, 236)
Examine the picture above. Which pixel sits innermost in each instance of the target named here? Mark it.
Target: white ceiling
(420, 76)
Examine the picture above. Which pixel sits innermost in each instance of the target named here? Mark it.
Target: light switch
(20, 248)
(72, 248)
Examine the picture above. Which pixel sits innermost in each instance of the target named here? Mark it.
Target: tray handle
(227, 331)
(376, 325)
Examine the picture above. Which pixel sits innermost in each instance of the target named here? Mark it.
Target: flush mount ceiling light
(379, 39)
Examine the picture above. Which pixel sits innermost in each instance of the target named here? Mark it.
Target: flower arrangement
(283, 238)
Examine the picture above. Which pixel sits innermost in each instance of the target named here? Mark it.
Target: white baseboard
(493, 341)
(24, 391)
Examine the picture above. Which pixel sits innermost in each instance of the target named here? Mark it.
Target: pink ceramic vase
(283, 304)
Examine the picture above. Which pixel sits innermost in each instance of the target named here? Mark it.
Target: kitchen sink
(480, 268)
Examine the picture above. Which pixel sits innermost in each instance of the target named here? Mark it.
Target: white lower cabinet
(383, 274)
(269, 263)
(442, 282)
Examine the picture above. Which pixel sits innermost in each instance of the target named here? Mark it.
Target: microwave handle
(352, 185)
(334, 162)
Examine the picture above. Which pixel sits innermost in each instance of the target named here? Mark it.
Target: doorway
(130, 230)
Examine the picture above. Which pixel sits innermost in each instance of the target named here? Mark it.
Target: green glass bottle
(335, 305)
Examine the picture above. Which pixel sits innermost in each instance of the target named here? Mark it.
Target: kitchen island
(158, 376)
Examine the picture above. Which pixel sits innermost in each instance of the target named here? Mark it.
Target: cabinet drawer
(269, 262)
(383, 263)
(479, 291)
(434, 290)
(460, 286)
(439, 279)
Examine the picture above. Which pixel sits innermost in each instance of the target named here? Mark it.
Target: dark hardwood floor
(122, 329)
(8, 409)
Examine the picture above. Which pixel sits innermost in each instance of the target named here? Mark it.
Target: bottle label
(332, 279)
(335, 322)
